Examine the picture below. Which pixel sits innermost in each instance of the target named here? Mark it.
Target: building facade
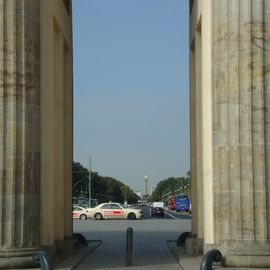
(230, 129)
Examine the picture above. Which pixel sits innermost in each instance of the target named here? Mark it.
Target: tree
(80, 179)
(172, 186)
(103, 189)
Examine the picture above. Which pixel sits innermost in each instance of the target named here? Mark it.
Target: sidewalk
(188, 262)
(150, 249)
(111, 256)
(146, 255)
(149, 255)
(82, 253)
(185, 261)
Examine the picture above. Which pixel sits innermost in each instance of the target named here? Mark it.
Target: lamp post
(90, 175)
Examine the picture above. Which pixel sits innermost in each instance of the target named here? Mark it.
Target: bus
(182, 203)
(172, 203)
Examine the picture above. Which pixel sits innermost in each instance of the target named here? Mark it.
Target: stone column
(19, 132)
(194, 244)
(193, 148)
(207, 134)
(241, 131)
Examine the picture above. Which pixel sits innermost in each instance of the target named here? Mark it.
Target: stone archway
(229, 124)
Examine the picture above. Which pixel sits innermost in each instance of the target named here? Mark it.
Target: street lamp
(90, 175)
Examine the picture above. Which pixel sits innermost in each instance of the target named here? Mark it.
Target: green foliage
(103, 189)
(172, 186)
(80, 179)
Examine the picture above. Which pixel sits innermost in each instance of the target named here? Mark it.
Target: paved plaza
(150, 250)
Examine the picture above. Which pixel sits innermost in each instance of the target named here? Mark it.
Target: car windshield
(182, 199)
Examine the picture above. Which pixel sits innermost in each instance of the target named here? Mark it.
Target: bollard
(129, 247)
(211, 256)
(42, 258)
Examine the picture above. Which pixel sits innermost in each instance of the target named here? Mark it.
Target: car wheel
(131, 216)
(83, 216)
(98, 216)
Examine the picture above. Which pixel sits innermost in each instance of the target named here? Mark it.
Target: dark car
(157, 211)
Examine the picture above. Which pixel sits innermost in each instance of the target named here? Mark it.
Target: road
(168, 214)
(150, 235)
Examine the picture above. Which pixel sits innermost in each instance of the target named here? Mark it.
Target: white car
(80, 212)
(115, 211)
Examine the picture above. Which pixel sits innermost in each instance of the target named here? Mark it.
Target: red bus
(172, 203)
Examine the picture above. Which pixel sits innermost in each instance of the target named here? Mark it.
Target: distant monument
(146, 185)
(146, 197)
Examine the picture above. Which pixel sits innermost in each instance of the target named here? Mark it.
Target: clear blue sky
(131, 98)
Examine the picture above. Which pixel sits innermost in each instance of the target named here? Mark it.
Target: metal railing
(182, 238)
(209, 258)
(43, 259)
(81, 239)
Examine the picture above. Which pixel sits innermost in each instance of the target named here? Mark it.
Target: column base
(21, 258)
(244, 254)
(65, 247)
(17, 258)
(246, 261)
(61, 249)
(194, 246)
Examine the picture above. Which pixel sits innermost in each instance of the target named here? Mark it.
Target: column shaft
(241, 130)
(19, 131)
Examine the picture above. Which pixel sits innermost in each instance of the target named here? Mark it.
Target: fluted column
(241, 130)
(19, 131)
